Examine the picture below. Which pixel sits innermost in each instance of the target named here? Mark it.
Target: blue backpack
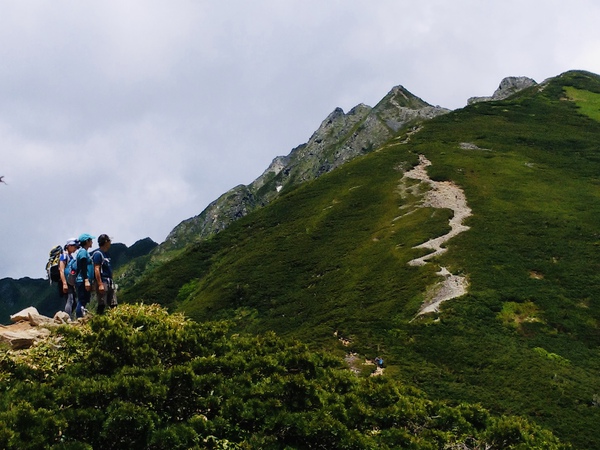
(71, 270)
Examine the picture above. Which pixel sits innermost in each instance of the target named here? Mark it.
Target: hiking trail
(442, 194)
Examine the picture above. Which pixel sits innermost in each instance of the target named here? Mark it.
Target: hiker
(65, 288)
(105, 287)
(85, 274)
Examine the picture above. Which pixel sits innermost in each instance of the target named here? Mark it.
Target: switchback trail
(442, 194)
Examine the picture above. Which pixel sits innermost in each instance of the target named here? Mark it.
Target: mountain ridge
(340, 138)
(347, 134)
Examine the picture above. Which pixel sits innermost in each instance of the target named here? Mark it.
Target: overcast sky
(126, 117)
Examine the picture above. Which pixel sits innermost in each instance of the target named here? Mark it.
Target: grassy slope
(332, 255)
(532, 257)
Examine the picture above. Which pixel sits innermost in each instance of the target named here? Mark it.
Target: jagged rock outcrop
(232, 205)
(340, 138)
(508, 86)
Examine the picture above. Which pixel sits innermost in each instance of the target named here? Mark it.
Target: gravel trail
(442, 194)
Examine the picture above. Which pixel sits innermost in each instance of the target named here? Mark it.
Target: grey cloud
(160, 107)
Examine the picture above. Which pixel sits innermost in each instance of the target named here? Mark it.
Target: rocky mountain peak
(340, 138)
(508, 86)
(401, 97)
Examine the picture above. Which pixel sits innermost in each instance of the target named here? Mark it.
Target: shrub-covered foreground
(142, 378)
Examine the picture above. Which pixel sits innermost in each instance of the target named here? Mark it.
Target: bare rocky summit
(508, 86)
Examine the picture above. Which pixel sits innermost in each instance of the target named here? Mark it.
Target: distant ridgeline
(319, 248)
(16, 295)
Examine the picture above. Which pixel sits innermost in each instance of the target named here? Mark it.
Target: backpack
(71, 270)
(92, 253)
(52, 268)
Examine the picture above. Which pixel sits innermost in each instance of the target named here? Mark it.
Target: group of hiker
(81, 272)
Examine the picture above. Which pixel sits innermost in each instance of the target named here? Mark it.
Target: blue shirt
(85, 268)
(64, 256)
(103, 260)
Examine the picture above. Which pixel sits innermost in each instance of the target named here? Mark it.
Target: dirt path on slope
(443, 194)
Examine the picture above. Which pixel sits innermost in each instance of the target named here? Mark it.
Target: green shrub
(172, 383)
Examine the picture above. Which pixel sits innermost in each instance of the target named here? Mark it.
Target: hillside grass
(588, 102)
(329, 260)
(534, 242)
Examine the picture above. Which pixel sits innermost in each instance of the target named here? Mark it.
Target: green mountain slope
(16, 295)
(329, 260)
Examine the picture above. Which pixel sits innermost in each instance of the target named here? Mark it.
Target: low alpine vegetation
(139, 377)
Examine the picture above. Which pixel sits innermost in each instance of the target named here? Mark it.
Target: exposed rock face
(508, 86)
(340, 138)
(29, 327)
(229, 207)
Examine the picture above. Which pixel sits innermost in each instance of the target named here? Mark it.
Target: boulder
(38, 320)
(28, 327)
(23, 315)
(62, 317)
(24, 338)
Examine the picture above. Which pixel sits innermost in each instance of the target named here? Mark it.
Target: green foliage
(551, 356)
(514, 314)
(141, 378)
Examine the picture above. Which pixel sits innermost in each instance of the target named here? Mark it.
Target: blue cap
(85, 237)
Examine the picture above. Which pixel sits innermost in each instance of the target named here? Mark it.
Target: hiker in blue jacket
(67, 289)
(105, 287)
(85, 274)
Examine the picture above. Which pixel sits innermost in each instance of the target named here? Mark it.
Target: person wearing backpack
(52, 266)
(105, 287)
(85, 274)
(68, 289)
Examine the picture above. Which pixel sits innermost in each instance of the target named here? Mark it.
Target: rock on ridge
(508, 86)
(30, 327)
